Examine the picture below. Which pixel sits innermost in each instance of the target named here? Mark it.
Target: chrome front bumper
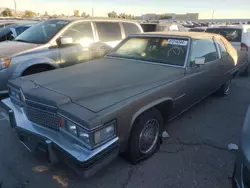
(59, 146)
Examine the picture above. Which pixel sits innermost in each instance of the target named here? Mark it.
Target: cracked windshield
(124, 94)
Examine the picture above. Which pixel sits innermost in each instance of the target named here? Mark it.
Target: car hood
(101, 83)
(9, 48)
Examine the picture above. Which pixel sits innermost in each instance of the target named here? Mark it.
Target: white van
(237, 35)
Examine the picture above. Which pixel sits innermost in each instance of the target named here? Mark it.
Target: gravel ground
(195, 155)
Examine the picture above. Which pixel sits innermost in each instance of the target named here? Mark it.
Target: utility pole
(15, 8)
(92, 12)
(213, 14)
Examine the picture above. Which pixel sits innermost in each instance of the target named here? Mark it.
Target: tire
(138, 149)
(246, 72)
(224, 89)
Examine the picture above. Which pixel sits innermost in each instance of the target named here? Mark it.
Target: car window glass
(203, 48)
(232, 35)
(80, 32)
(170, 51)
(108, 31)
(42, 32)
(222, 48)
(130, 28)
(19, 30)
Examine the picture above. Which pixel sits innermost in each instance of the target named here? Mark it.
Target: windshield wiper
(19, 40)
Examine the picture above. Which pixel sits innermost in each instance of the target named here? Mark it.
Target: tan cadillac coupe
(87, 114)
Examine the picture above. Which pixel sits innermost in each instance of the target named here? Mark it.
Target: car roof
(178, 34)
(75, 19)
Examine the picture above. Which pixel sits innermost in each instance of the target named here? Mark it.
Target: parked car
(10, 32)
(59, 43)
(198, 29)
(162, 26)
(239, 37)
(89, 113)
(241, 173)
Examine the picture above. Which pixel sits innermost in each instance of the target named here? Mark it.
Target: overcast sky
(222, 8)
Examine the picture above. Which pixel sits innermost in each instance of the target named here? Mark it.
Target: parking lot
(195, 155)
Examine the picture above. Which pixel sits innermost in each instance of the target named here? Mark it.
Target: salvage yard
(195, 155)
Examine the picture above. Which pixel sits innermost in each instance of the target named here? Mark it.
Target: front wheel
(145, 136)
(224, 89)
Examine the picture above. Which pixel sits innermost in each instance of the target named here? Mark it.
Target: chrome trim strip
(4, 92)
(179, 97)
(188, 53)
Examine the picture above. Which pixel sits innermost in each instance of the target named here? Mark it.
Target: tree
(46, 14)
(29, 14)
(122, 15)
(112, 14)
(76, 13)
(85, 15)
(7, 13)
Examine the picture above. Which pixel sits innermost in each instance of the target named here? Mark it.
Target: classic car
(241, 173)
(87, 114)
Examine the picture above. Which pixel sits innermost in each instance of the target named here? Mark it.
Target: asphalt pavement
(195, 155)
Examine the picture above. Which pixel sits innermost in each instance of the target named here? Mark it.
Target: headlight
(14, 94)
(105, 133)
(71, 128)
(90, 139)
(4, 63)
(84, 136)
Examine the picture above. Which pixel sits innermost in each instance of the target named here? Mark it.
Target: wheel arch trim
(147, 107)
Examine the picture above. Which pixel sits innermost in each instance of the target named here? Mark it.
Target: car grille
(38, 114)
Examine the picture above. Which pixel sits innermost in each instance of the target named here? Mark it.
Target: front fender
(147, 107)
(21, 67)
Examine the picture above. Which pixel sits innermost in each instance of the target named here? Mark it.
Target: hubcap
(227, 86)
(149, 136)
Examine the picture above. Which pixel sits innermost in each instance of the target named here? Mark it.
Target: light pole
(15, 7)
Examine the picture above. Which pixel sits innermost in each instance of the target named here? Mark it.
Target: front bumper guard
(58, 148)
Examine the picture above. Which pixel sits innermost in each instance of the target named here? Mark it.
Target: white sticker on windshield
(178, 42)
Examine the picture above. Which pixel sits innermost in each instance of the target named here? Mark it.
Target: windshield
(231, 34)
(41, 33)
(170, 51)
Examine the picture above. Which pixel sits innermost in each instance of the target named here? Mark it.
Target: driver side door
(202, 80)
(78, 51)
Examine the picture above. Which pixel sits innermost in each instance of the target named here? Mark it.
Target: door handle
(221, 65)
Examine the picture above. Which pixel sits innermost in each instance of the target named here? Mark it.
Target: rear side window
(130, 28)
(222, 47)
(232, 35)
(203, 48)
(80, 32)
(108, 31)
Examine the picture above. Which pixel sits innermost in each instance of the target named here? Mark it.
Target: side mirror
(64, 41)
(199, 61)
